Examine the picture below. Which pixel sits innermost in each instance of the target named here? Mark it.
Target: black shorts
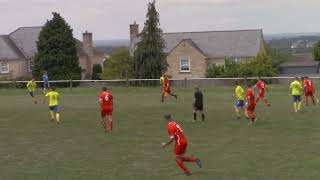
(198, 107)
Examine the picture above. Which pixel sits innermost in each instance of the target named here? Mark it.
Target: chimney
(134, 31)
(87, 43)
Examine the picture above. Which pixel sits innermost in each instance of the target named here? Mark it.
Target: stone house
(17, 52)
(189, 54)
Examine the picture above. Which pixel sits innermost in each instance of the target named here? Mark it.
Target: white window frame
(30, 65)
(7, 66)
(185, 59)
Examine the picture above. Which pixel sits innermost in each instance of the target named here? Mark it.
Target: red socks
(104, 124)
(181, 165)
(110, 125)
(189, 159)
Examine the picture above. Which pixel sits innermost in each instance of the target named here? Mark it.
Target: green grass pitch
(281, 145)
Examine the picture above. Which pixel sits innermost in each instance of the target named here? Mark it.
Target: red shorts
(167, 90)
(308, 93)
(261, 94)
(106, 112)
(180, 149)
(251, 108)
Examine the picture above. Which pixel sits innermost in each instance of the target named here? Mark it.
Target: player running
(309, 91)
(239, 104)
(295, 92)
(198, 104)
(54, 98)
(166, 89)
(32, 88)
(251, 104)
(106, 103)
(262, 86)
(46, 84)
(176, 134)
(161, 83)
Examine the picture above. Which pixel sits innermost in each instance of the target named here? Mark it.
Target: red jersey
(261, 86)
(308, 85)
(106, 99)
(176, 133)
(166, 83)
(250, 96)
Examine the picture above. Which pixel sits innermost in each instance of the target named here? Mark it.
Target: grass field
(281, 145)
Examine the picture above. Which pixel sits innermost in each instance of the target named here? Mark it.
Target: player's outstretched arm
(164, 145)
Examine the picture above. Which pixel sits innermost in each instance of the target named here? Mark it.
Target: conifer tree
(149, 57)
(57, 53)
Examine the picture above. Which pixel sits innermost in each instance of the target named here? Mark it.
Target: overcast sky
(109, 19)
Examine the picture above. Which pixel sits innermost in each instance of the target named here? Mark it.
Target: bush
(258, 66)
(119, 65)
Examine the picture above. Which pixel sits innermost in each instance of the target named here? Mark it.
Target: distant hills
(288, 42)
(289, 35)
(115, 43)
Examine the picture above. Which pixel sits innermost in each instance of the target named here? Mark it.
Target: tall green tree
(57, 53)
(96, 72)
(119, 65)
(316, 51)
(149, 57)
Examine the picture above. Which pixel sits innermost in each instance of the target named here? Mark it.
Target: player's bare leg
(57, 114)
(238, 109)
(111, 124)
(313, 100)
(266, 102)
(174, 95)
(180, 159)
(52, 113)
(252, 117)
(162, 96)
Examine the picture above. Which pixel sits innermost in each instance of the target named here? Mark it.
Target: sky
(110, 19)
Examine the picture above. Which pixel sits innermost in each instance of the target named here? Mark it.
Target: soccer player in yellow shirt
(162, 78)
(32, 88)
(295, 91)
(54, 98)
(239, 105)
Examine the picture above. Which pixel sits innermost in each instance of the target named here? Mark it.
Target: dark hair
(53, 88)
(167, 117)
(104, 88)
(236, 83)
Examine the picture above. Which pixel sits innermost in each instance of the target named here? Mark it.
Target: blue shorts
(32, 93)
(296, 98)
(54, 108)
(239, 103)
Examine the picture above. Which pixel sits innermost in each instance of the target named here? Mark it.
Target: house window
(31, 64)
(4, 67)
(184, 65)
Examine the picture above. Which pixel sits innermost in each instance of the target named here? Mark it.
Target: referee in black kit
(198, 104)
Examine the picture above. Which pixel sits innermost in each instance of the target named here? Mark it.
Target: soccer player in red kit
(251, 104)
(262, 86)
(176, 134)
(106, 103)
(166, 89)
(309, 90)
